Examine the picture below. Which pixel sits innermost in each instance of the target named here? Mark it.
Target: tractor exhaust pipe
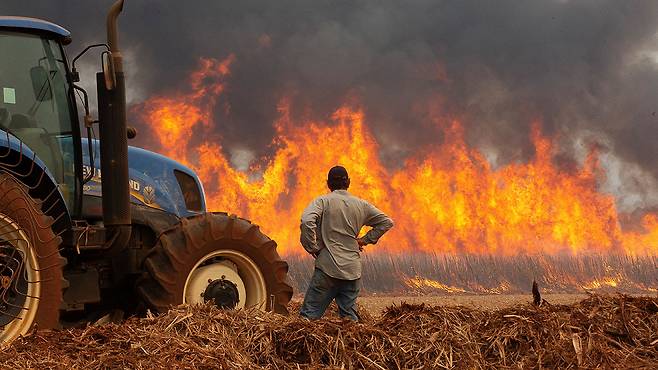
(112, 34)
(113, 140)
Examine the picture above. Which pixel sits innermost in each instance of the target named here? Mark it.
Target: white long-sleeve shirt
(329, 228)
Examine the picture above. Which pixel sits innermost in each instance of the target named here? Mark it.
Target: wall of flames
(445, 198)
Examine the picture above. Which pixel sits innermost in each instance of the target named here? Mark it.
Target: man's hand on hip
(362, 243)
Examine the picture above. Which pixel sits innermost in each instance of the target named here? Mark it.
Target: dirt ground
(375, 304)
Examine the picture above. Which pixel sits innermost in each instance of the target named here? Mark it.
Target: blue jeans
(323, 289)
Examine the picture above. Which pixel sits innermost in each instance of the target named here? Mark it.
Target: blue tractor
(91, 226)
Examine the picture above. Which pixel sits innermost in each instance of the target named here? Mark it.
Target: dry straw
(598, 332)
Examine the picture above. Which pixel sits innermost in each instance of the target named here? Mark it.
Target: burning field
(463, 225)
(445, 198)
(600, 331)
(433, 274)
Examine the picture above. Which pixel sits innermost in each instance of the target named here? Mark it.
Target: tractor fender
(18, 160)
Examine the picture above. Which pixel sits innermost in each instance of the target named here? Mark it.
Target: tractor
(90, 226)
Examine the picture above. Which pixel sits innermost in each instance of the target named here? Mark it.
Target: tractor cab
(36, 98)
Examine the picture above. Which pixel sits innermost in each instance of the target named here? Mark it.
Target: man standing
(329, 232)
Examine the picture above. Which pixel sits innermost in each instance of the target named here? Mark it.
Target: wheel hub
(224, 293)
(20, 281)
(234, 267)
(13, 284)
(205, 284)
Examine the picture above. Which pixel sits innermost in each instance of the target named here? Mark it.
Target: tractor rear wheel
(219, 258)
(31, 278)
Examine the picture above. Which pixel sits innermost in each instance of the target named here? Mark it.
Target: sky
(587, 70)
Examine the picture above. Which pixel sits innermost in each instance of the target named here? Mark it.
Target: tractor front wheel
(215, 258)
(31, 278)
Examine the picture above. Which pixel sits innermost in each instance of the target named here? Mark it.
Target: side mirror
(41, 83)
(131, 132)
(108, 70)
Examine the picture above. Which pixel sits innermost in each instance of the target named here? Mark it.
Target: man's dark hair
(337, 178)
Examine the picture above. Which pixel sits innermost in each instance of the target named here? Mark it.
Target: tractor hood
(155, 181)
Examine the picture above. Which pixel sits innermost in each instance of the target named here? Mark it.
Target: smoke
(584, 69)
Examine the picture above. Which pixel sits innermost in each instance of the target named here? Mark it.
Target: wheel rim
(20, 285)
(230, 265)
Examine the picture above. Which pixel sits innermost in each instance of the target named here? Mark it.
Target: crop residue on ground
(599, 331)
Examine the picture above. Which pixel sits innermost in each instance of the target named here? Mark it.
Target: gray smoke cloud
(588, 70)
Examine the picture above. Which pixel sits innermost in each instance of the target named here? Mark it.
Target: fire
(612, 282)
(445, 199)
(421, 284)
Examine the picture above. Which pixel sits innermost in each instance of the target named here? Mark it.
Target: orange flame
(445, 199)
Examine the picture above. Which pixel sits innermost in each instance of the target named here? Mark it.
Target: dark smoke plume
(588, 70)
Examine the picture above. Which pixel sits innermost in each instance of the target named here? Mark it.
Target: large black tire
(29, 263)
(180, 248)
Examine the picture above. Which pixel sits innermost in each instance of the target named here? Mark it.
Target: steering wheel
(4, 117)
